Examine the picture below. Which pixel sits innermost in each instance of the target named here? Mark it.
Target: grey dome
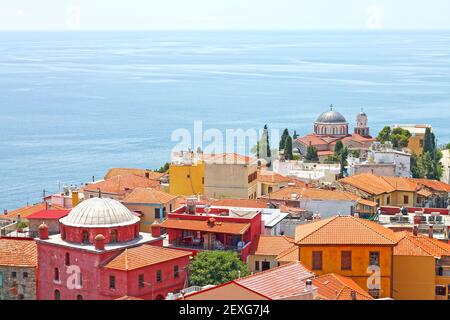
(99, 213)
(331, 117)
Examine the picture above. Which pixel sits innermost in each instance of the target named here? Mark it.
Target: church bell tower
(362, 124)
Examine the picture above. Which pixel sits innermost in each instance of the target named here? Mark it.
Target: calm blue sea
(74, 104)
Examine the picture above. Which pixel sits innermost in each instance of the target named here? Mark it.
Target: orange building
(421, 268)
(351, 247)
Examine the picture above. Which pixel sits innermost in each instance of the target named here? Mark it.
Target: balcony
(201, 246)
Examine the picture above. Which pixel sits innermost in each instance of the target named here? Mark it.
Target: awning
(216, 227)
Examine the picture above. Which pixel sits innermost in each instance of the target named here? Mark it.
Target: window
(67, 259)
(56, 274)
(13, 274)
(158, 276)
(57, 295)
(257, 265)
(317, 260)
(80, 280)
(79, 297)
(346, 260)
(113, 236)
(1, 279)
(176, 271)
(374, 258)
(265, 265)
(388, 200)
(85, 237)
(269, 189)
(440, 291)
(141, 281)
(405, 199)
(112, 282)
(25, 275)
(157, 213)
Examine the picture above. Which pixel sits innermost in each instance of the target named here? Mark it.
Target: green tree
(311, 154)
(295, 135)
(164, 168)
(283, 139)
(216, 267)
(288, 148)
(384, 134)
(447, 147)
(417, 167)
(429, 141)
(338, 148)
(269, 152)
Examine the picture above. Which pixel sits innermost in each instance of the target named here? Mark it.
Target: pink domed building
(101, 254)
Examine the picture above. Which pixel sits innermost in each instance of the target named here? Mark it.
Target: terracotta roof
(18, 252)
(28, 210)
(336, 287)
(120, 184)
(401, 184)
(153, 175)
(278, 283)
(197, 225)
(241, 203)
(143, 256)
(433, 184)
(325, 153)
(148, 196)
(313, 140)
(368, 183)
(289, 193)
(267, 176)
(289, 255)
(128, 298)
(420, 245)
(49, 214)
(341, 230)
(367, 203)
(270, 245)
(424, 193)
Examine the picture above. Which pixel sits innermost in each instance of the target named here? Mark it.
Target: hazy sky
(223, 14)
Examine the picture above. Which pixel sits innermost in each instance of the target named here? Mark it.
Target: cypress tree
(288, 148)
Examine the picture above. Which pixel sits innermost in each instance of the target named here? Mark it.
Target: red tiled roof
(120, 184)
(267, 176)
(49, 214)
(433, 184)
(278, 283)
(143, 256)
(340, 230)
(28, 210)
(270, 245)
(313, 140)
(368, 183)
(289, 255)
(196, 225)
(336, 287)
(148, 196)
(287, 193)
(420, 245)
(113, 172)
(18, 252)
(325, 153)
(241, 203)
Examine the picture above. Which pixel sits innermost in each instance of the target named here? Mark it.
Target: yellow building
(351, 247)
(187, 178)
(416, 141)
(152, 205)
(386, 191)
(269, 181)
(421, 268)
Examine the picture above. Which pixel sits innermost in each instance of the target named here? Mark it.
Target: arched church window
(57, 295)
(85, 236)
(113, 236)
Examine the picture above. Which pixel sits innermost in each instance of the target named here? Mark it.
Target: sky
(223, 14)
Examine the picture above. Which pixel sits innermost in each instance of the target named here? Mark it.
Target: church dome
(331, 117)
(99, 213)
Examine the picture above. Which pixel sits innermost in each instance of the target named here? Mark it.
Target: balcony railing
(201, 246)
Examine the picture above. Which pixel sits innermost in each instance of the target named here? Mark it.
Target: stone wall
(20, 287)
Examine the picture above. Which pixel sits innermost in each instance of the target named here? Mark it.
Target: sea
(73, 104)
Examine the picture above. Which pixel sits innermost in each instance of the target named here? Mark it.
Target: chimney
(156, 230)
(75, 199)
(308, 286)
(415, 230)
(99, 242)
(430, 232)
(99, 192)
(43, 231)
(5, 211)
(353, 295)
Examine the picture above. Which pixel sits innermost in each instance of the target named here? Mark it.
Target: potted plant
(21, 225)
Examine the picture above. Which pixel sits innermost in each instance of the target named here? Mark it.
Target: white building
(382, 160)
(308, 172)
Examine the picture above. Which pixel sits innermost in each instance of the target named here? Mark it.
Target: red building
(101, 254)
(200, 227)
